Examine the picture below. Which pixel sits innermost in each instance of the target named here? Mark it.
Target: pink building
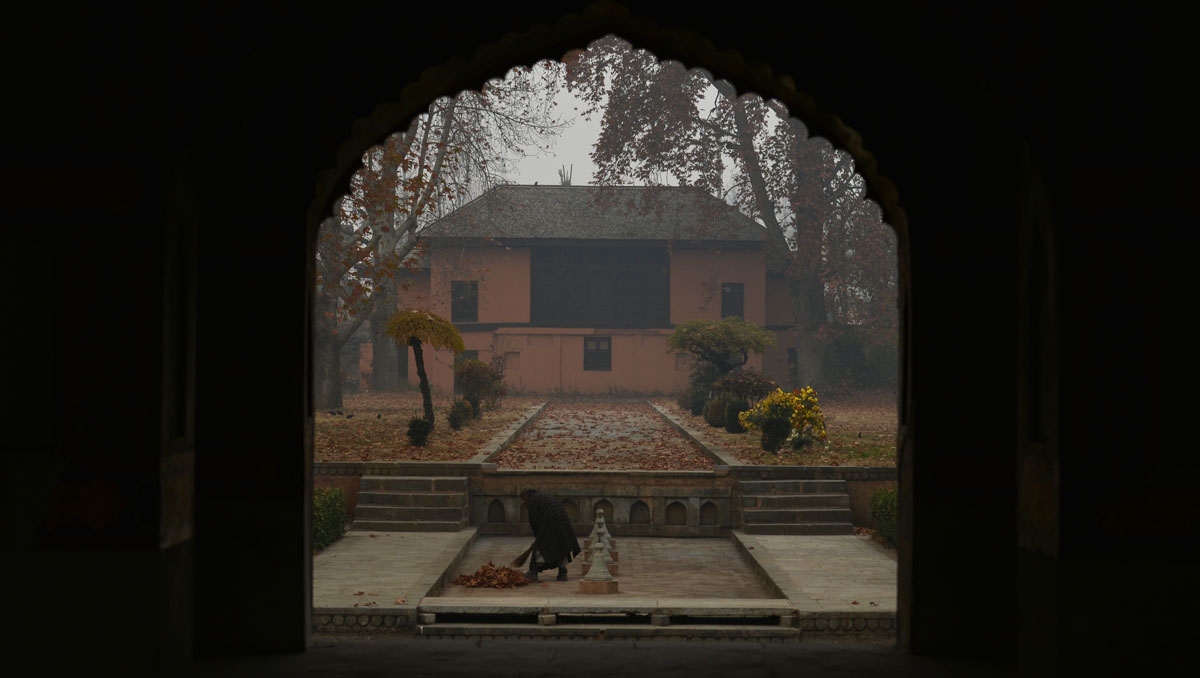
(578, 287)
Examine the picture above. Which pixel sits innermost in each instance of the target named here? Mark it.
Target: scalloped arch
(695, 51)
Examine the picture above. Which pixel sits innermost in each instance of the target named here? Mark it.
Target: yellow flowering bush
(798, 408)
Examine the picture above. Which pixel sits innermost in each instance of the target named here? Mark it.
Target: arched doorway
(879, 188)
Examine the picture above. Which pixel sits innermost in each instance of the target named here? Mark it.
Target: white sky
(572, 148)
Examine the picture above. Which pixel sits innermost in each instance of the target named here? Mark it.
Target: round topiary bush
(714, 413)
(775, 432)
(734, 407)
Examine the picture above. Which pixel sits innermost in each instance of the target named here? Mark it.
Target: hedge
(883, 512)
(329, 516)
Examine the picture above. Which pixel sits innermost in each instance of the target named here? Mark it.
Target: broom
(519, 561)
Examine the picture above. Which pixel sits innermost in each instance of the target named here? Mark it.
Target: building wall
(550, 360)
(778, 302)
(775, 362)
(696, 277)
(413, 289)
(778, 316)
(503, 276)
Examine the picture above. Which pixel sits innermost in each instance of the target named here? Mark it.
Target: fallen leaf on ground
(494, 577)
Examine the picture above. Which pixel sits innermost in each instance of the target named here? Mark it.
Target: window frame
(597, 359)
(728, 290)
(464, 307)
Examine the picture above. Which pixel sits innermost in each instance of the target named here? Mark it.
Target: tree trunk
(327, 364)
(426, 394)
(808, 299)
(801, 268)
(385, 368)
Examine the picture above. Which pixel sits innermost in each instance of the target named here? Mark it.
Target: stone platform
(747, 587)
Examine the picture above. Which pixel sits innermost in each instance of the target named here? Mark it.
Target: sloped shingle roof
(597, 212)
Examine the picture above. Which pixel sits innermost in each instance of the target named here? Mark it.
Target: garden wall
(636, 503)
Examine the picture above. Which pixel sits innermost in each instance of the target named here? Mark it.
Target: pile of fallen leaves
(494, 577)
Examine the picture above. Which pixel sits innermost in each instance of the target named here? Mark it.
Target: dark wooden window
(464, 301)
(733, 297)
(599, 286)
(597, 353)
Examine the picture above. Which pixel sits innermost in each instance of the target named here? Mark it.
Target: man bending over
(553, 535)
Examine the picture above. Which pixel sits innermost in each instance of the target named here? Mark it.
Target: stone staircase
(412, 504)
(795, 506)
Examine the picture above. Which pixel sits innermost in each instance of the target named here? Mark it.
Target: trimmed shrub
(419, 429)
(699, 389)
(775, 431)
(460, 413)
(714, 412)
(805, 423)
(884, 513)
(733, 408)
(746, 384)
(479, 383)
(328, 516)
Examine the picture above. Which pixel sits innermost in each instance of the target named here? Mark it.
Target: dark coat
(554, 536)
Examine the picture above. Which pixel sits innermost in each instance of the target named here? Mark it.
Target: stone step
(783, 501)
(805, 529)
(800, 515)
(412, 484)
(756, 487)
(389, 498)
(370, 512)
(407, 526)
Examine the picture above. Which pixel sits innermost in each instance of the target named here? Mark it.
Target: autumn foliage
(491, 576)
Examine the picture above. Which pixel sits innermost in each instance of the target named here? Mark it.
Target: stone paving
(830, 573)
(364, 570)
(646, 567)
(838, 585)
(602, 435)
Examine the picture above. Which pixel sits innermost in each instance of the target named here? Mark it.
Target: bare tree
(663, 124)
(461, 147)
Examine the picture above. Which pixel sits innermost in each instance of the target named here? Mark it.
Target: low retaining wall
(636, 503)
